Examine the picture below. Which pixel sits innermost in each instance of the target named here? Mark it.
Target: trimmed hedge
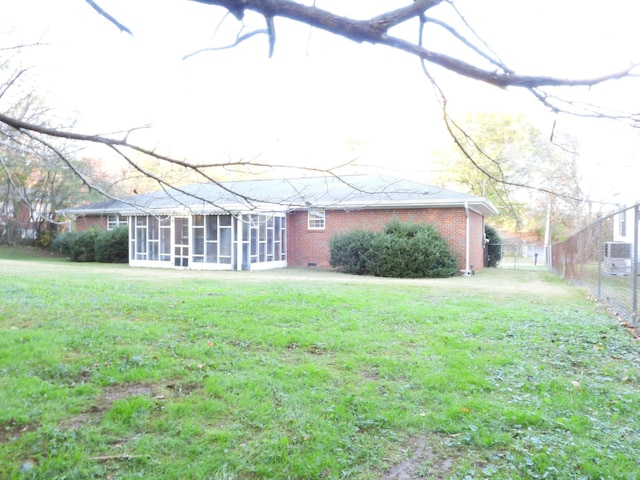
(403, 250)
(110, 246)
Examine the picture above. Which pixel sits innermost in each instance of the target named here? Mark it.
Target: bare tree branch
(121, 146)
(376, 31)
(467, 43)
(239, 40)
(498, 79)
(485, 66)
(106, 15)
(11, 82)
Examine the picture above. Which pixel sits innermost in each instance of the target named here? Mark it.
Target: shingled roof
(286, 194)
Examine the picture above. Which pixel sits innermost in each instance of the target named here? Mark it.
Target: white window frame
(316, 219)
(115, 221)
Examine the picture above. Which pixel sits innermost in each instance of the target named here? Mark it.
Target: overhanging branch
(106, 15)
(376, 31)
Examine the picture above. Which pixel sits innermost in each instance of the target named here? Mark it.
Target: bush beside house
(349, 251)
(112, 246)
(494, 246)
(93, 245)
(402, 250)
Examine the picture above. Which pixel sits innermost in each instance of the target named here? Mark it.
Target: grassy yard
(117, 373)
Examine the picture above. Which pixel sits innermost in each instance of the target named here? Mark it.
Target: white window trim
(115, 221)
(316, 219)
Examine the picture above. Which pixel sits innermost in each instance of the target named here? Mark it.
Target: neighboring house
(623, 230)
(261, 224)
(618, 253)
(16, 222)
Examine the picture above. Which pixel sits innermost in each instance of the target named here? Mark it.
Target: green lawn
(117, 373)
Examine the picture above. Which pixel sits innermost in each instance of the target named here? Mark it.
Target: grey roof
(285, 194)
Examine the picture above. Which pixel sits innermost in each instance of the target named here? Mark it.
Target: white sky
(321, 100)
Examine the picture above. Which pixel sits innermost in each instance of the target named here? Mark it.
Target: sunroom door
(181, 241)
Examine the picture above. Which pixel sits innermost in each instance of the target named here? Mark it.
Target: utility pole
(547, 234)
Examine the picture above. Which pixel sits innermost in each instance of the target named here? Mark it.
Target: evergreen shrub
(349, 251)
(94, 245)
(83, 246)
(111, 246)
(494, 246)
(403, 250)
(61, 243)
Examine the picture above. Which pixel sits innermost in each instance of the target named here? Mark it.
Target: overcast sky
(321, 100)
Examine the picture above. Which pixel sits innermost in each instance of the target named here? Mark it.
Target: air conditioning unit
(617, 258)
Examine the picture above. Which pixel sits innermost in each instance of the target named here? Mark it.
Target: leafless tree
(404, 29)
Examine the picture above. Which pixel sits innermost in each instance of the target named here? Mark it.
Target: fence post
(634, 267)
(599, 256)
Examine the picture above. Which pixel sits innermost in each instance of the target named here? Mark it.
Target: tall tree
(33, 181)
(506, 159)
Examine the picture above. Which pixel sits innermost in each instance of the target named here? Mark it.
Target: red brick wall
(476, 245)
(23, 213)
(312, 246)
(85, 223)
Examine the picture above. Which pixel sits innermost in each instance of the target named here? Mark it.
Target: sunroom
(229, 241)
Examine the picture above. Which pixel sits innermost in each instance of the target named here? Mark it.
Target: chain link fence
(602, 258)
(520, 256)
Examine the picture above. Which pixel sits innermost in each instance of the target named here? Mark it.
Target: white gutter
(479, 205)
(467, 270)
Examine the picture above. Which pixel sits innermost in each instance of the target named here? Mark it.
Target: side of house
(309, 242)
(262, 224)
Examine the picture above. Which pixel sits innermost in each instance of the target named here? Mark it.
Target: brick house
(261, 224)
(17, 221)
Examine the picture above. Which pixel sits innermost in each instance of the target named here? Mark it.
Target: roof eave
(480, 205)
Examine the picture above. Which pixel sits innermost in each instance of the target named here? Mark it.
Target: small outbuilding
(261, 224)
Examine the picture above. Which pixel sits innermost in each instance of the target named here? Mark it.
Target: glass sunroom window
(141, 238)
(266, 239)
(197, 237)
(165, 240)
(153, 239)
(150, 238)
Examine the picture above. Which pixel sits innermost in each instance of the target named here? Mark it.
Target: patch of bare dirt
(11, 430)
(371, 374)
(113, 393)
(424, 459)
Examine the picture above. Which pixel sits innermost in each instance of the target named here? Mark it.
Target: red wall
(85, 223)
(312, 246)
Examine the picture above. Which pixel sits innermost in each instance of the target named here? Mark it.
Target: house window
(115, 221)
(264, 239)
(315, 219)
